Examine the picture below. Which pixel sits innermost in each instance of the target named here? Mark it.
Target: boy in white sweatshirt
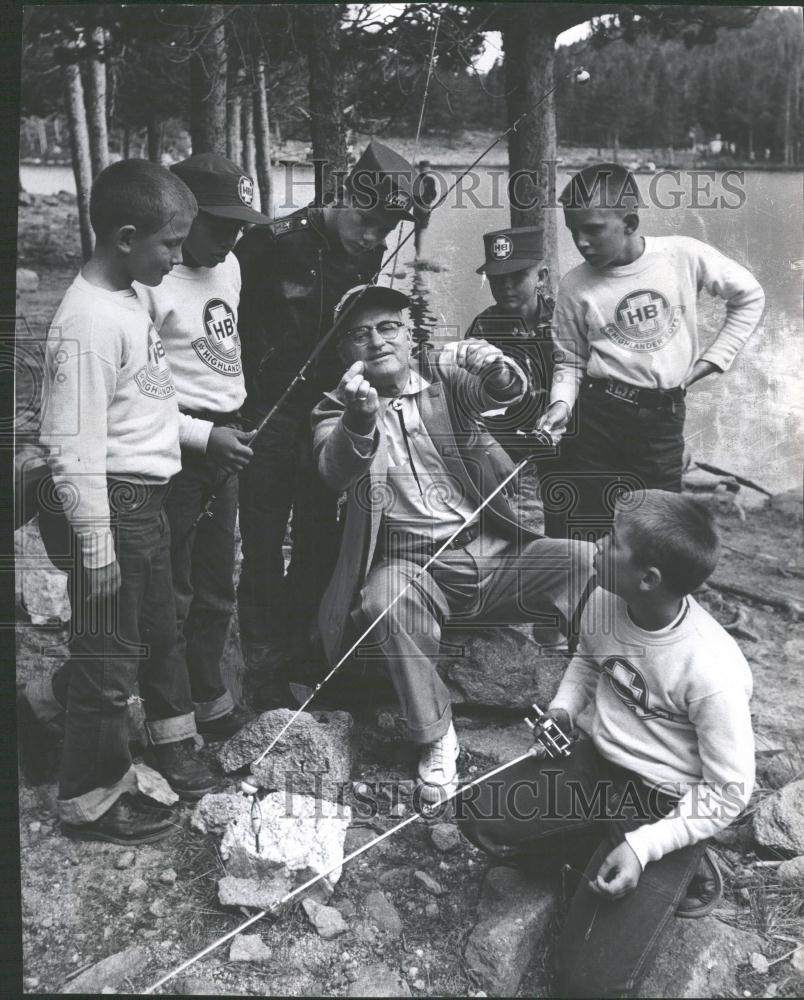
(661, 694)
(195, 312)
(111, 423)
(627, 349)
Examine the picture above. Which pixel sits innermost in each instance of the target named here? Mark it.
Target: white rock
(326, 919)
(27, 280)
(126, 860)
(759, 963)
(297, 831)
(138, 888)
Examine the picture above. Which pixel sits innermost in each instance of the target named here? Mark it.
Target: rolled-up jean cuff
(206, 711)
(179, 727)
(92, 805)
(433, 731)
(39, 692)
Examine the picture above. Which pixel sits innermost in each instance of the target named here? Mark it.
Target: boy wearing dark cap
(518, 323)
(294, 273)
(195, 313)
(627, 344)
(111, 423)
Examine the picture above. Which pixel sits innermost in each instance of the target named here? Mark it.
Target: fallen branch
(778, 601)
(738, 479)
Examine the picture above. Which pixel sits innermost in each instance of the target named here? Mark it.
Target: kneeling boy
(667, 757)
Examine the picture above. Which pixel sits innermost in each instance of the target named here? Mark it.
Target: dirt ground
(77, 904)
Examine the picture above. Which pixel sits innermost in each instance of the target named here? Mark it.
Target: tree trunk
(234, 140)
(249, 149)
(529, 58)
(155, 139)
(327, 92)
(262, 140)
(126, 142)
(208, 80)
(96, 102)
(79, 147)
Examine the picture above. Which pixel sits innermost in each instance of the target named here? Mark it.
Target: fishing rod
(554, 742)
(387, 609)
(419, 128)
(580, 76)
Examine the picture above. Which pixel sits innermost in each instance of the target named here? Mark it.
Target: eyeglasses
(360, 336)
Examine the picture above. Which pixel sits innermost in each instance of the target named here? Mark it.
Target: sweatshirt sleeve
(571, 343)
(744, 298)
(194, 432)
(577, 687)
(79, 387)
(726, 746)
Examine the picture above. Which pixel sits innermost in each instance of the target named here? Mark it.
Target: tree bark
(208, 80)
(262, 140)
(154, 139)
(79, 147)
(126, 142)
(529, 57)
(249, 149)
(96, 101)
(327, 94)
(234, 139)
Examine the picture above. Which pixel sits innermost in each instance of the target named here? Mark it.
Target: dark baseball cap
(372, 295)
(380, 183)
(220, 187)
(509, 250)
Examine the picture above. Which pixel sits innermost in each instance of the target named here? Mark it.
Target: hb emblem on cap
(245, 189)
(397, 201)
(502, 248)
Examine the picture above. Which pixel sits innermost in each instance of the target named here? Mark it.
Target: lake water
(748, 421)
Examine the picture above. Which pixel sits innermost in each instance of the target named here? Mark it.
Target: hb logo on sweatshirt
(644, 321)
(219, 348)
(154, 378)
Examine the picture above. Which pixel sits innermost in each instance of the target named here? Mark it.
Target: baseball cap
(380, 183)
(220, 187)
(510, 250)
(372, 295)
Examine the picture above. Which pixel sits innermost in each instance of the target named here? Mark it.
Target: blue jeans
(544, 805)
(203, 561)
(117, 646)
(281, 477)
(617, 445)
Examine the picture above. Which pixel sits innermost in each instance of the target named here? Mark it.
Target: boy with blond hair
(660, 692)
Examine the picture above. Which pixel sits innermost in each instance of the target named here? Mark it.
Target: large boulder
(40, 588)
(779, 819)
(314, 757)
(498, 668)
(298, 832)
(513, 914)
(698, 958)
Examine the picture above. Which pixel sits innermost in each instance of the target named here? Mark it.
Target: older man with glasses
(403, 439)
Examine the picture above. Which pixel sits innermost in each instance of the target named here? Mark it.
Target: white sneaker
(438, 774)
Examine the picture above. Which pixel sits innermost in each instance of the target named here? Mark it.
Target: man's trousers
(488, 582)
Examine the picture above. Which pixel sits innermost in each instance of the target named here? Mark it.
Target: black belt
(218, 419)
(406, 545)
(633, 395)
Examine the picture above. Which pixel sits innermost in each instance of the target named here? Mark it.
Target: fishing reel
(551, 736)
